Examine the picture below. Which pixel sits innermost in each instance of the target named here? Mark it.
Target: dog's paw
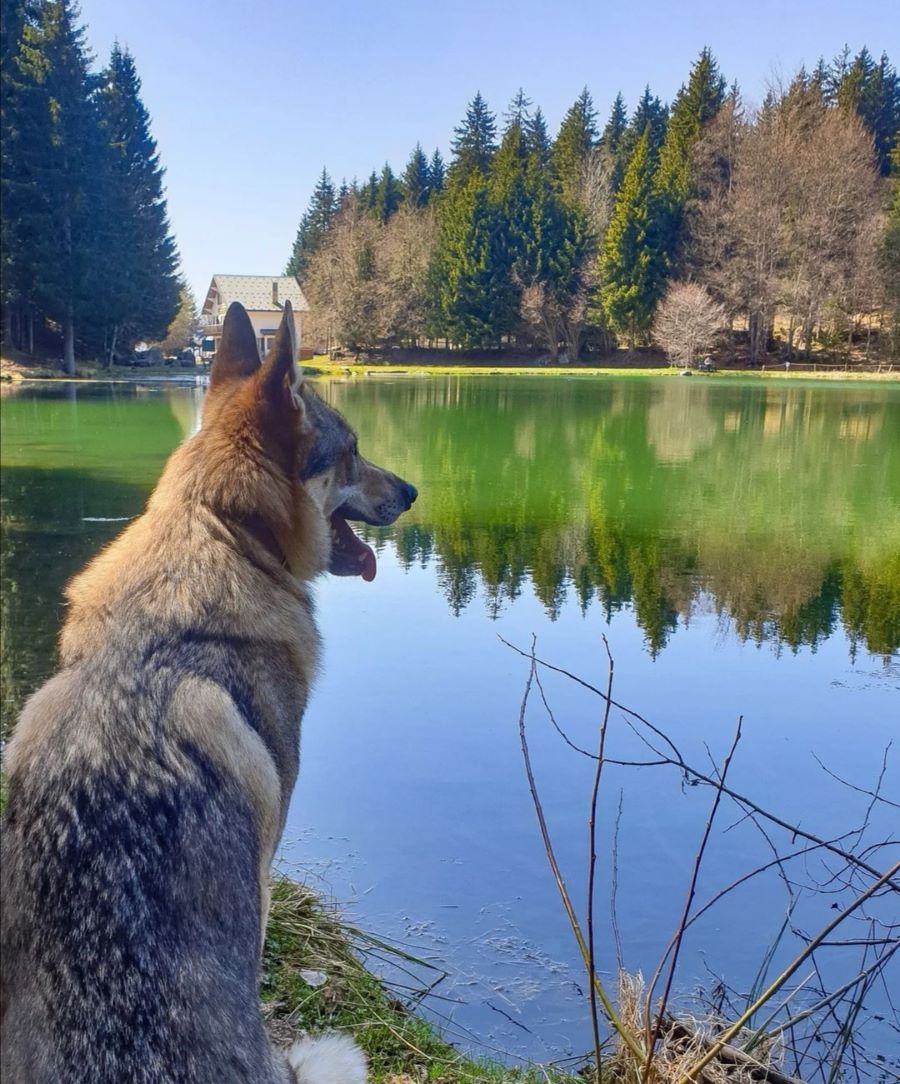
(332, 1058)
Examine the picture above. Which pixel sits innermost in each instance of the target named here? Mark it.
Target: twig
(728, 1034)
(592, 856)
(682, 925)
(614, 889)
(676, 760)
(605, 1001)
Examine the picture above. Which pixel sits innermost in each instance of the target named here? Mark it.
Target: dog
(149, 779)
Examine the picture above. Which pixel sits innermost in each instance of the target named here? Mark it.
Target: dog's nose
(411, 494)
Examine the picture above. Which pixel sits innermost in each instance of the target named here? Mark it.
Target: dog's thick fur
(149, 779)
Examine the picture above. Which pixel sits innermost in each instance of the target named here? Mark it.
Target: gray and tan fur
(149, 779)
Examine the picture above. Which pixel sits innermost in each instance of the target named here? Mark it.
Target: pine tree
(474, 142)
(388, 196)
(436, 173)
(615, 126)
(576, 138)
(519, 111)
(142, 292)
(57, 149)
(15, 280)
(612, 139)
(369, 194)
(650, 116)
(314, 225)
(633, 267)
(695, 106)
(416, 179)
(472, 301)
(511, 202)
(873, 92)
(538, 138)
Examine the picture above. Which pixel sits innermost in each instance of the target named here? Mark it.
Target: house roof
(254, 292)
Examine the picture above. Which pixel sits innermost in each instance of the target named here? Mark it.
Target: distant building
(262, 296)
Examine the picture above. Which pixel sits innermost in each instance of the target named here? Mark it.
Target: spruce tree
(416, 180)
(15, 279)
(538, 138)
(612, 138)
(471, 297)
(695, 106)
(318, 216)
(388, 195)
(574, 142)
(632, 265)
(474, 142)
(873, 92)
(436, 173)
(511, 202)
(519, 111)
(650, 116)
(57, 150)
(370, 192)
(141, 293)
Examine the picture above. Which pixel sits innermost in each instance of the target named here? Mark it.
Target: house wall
(265, 324)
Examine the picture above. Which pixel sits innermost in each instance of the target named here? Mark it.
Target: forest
(775, 228)
(89, 264)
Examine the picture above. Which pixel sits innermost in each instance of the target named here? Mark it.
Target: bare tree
(687, 322)
(833, 202)
(785, 233)
(342, 284)
(403, 255)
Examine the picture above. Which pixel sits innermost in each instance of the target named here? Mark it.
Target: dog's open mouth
(350, 556)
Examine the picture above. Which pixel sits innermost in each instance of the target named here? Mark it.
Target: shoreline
(14, 375)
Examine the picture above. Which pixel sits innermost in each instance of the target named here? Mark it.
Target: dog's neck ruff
(261, 532)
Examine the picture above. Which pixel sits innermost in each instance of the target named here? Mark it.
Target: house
(263, 296)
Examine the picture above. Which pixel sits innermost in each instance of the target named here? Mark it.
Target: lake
(736, 542)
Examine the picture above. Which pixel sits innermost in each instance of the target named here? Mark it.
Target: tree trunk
(31, 331)
(69, 342)
(112, 346)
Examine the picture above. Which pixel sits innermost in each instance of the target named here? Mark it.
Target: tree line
(89, 264)
(781, 222)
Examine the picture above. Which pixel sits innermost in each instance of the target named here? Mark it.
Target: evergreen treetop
(632, 265)
(573, 144)
(317, 217)
(416, 181)
(474, 142)
(436, 173)
(388, 194)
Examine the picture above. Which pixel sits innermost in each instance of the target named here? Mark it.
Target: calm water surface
(737, 543)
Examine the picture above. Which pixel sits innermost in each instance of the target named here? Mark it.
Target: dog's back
(131, 877)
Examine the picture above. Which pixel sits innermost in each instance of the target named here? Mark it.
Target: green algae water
(736, 542)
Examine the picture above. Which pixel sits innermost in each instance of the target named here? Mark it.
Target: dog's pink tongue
(353, 549)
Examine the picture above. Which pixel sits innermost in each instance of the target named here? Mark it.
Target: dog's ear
(281, 374)
(237, 355)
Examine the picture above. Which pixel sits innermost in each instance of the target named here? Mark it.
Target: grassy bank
(314, 978)
(324, 367)
(15, 370)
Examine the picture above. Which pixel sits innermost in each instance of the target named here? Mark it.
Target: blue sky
(250, 100)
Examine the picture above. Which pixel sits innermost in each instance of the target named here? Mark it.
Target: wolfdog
(149, 779)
